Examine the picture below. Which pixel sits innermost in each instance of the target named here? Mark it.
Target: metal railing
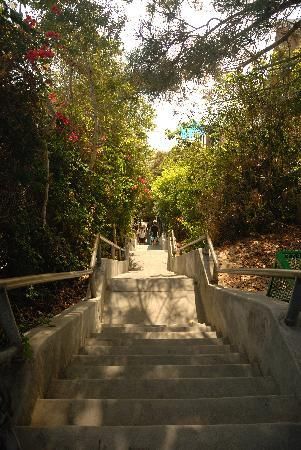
(196, 241)
(294, 307)
(114, 247)
(31, 280)
(7, 318)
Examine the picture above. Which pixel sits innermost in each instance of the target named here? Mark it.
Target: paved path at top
(149, 261)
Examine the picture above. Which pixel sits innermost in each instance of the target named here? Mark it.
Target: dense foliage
(248, 178)
(179, 42)
(72, 134)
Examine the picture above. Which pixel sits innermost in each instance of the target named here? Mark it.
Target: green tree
(77, 135)
(173, 50)
(248, 178)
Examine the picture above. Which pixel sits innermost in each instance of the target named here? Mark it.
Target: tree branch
(275, 44)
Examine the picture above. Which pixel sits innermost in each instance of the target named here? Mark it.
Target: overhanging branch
(275, 44)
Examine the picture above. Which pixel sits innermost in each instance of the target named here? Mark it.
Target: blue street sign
(191, 132)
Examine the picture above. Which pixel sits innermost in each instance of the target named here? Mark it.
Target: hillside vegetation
(247, 178)
(255, 251)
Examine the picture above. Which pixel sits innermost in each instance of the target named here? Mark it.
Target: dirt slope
(255, 251)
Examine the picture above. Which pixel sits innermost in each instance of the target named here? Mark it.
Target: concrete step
(98, 349)
(191, 388)
(92, 412)
(121, 360)
(129, 342)
(158, 335)
(130, 327)
(146, 307)
(154, 284)
(264, 436)
(160, 372)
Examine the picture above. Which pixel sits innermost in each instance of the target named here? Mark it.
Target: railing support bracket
(294, 305)
(8, 322)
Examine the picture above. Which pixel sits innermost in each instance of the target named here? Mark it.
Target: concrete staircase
(150, 300)
(143, 383)
(162, 387)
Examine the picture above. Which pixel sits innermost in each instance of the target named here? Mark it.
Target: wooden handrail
(17, 282)
(93, 261)
(111, 243)
(210, 245)
(281, 273)
(202, 238)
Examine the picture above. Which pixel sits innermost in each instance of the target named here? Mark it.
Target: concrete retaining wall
(252, 322)
(54, 345)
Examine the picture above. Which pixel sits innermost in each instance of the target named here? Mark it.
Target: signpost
(192, 132)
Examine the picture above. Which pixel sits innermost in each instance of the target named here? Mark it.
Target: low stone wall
(54, 345)
(252, 322)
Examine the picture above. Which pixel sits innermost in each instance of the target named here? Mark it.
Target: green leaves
(82, 105)
(248, 178)
(179, 50)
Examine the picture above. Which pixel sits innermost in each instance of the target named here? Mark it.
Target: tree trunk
(70, 82)
(95, 120)
(47, 184)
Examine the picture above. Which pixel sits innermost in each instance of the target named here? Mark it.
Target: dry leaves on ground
(255, 251)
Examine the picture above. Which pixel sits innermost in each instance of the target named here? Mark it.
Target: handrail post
(170, 253)
(92, 286)
(294, 305)
(95, 261)
(212, 269)
(114, 240)
(214, 276)
(173, 243)
(112, 252)
(206, 249)
(99, 254)
(127, 249)
(7, 320)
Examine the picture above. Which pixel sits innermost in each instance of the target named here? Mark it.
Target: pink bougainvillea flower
(43, 52)
(56, 10)
(142, 180)
(73, 137)
(52, 35)
(30, 21)
(32, 55)
(62, 118)
(52, 97)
